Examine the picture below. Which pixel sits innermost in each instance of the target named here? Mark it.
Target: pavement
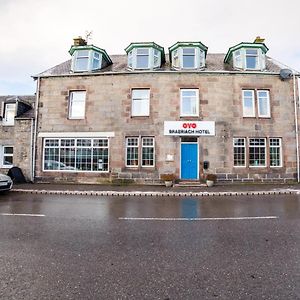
(157, 190)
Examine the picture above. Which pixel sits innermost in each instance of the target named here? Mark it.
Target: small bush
(211, 177)
(167, 177)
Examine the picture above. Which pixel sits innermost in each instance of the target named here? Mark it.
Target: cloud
(37, 35)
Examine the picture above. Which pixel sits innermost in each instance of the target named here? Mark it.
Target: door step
(190, 183)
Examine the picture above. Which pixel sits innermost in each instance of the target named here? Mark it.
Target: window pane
(147, 152)
(8, 160)
(8, 150)
(275, 152)
(251, 62)
(263, 104)
(77, 104)
(76, 155)
(189, 102)
(81, 64)
(140, 94)
(142, 51)
(83, 159)
(142, 61)
(188, 61)
(132, 152)
(100, 159)
(248, 104)
(257, 152)
(82, 53)
(140, 102)
(251, 52)
(190, 51)
(239, 152)
(51, 159)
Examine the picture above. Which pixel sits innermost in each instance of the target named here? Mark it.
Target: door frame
(197, 158)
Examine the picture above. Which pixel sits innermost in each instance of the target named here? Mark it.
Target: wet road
(81, 247)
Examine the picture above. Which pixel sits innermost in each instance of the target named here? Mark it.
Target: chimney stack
(259, 40)
(79, 41)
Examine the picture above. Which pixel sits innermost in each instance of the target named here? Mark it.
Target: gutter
(296, 125)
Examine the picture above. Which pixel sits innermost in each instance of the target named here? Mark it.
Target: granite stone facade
(108, 109)
(16, 140)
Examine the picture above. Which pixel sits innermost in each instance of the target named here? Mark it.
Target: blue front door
(189, 161)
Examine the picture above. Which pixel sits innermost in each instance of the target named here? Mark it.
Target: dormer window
(247, 56)
(144, 56)
(188, 55)
(86, 58)
(9, 114)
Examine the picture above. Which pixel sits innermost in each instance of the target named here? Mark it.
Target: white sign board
(189, 128)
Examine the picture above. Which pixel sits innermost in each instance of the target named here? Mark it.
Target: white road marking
(197, 219)
(22, 215)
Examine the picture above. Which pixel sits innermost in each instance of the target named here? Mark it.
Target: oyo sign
(189, 128)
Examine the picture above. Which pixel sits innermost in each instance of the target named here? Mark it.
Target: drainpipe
(36, 108)
(31, 149)
(296, 124)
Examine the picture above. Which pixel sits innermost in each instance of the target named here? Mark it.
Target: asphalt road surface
(85, 247)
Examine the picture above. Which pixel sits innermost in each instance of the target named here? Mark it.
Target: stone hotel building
(103, 118)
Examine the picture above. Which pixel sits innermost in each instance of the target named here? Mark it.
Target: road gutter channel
(197, 219)
(158, 194)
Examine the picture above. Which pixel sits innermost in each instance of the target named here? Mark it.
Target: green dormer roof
(91, 47)
(147, 45)
(188, 44)
(261, 46)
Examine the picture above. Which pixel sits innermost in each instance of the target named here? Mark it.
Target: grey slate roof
(27, 100)
(214, 63)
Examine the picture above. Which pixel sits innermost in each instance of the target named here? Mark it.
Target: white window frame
(279, 147)
(177, 58)
(132, 146)
(90, 57)
(139, 148)
(257, 146)
(257, 67)
(94, 58)
(59, 147)
(250, 115)
(71, 101)
(78, 57)
(196, 114)
(188, 54)
(11, 108)
(148, 55)
(245, 151)
(147, 146)
(152, 52)
(240, 61)
(259, 99)
(134, 100)
(3, 155)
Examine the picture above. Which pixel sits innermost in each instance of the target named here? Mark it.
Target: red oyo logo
(189, 125)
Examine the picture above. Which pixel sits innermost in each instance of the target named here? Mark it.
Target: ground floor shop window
(81, 154)
(140, 150)
(261, 152)
(7, 156)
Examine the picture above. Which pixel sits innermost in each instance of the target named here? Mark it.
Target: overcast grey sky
(37, 34)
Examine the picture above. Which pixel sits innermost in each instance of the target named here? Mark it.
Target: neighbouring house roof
(27, 101)
(214, 63)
